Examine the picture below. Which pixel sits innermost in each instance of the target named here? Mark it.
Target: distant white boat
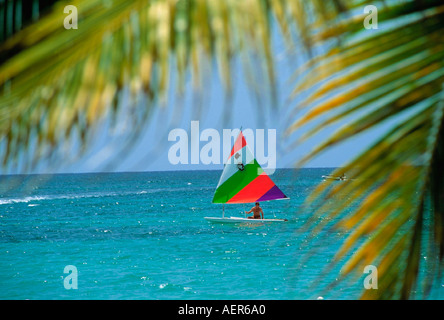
(244, 181)
(339, 178)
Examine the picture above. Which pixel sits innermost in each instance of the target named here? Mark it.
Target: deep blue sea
(143, 236)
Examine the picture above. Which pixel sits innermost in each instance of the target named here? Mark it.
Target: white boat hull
(241, 220)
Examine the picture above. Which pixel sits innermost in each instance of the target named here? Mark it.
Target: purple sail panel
(272, 194)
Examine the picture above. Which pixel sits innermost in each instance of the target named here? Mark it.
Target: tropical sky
(150, 152)
(249, 107)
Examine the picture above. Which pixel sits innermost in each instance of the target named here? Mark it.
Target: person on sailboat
(257, 211)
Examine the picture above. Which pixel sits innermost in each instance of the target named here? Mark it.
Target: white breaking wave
(77, 196)
(25, 199)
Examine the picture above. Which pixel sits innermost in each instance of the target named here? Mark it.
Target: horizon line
(147, 171)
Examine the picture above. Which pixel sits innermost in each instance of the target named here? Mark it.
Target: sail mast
(243, 180)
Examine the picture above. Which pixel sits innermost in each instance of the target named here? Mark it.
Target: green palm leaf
(56, 84)
(396, 73)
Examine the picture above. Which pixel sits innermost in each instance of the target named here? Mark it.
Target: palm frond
(393, 74)
(56, 84)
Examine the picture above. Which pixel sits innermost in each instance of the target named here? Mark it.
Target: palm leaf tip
(400, 81)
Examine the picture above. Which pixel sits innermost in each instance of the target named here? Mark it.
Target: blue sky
(150, 150)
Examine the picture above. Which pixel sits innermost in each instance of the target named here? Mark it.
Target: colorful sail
(243, 180)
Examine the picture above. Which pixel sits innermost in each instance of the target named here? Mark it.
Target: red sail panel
(254, 190)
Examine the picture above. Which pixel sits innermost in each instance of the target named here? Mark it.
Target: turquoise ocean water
(143, 236)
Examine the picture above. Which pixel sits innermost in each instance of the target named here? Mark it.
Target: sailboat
(244, 181)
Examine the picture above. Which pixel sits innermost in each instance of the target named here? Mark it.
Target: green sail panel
(236, 182)
(243, 180)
